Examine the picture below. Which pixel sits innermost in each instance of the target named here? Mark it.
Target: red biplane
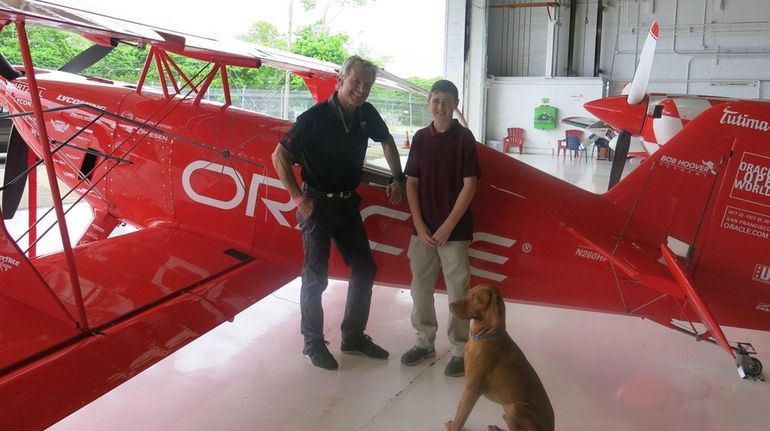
(681, 241)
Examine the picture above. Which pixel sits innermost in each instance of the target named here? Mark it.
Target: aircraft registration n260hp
(683, 238)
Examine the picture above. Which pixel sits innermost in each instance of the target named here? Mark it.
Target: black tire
(755, 369)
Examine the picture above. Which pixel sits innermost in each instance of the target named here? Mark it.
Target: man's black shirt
(330, 151)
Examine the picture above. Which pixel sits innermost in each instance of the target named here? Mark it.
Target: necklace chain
(344, 122)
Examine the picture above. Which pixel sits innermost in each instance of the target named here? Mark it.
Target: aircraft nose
(616, 112)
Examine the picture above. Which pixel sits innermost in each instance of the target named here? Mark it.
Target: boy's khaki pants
(425, 261)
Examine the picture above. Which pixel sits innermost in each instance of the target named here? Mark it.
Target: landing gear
(748, 367)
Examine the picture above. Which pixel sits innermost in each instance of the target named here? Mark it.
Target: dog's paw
(448, 425)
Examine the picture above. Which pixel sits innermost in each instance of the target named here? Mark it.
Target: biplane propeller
(627, 113)
(681, 240)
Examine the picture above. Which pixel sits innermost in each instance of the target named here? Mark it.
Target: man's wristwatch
(398, 178)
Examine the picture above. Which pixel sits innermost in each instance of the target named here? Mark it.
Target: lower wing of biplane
(140, 303)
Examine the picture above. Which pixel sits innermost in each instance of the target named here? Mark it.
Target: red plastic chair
(514, 139)
(561, 144)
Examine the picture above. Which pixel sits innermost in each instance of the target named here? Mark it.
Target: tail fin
(706, 194)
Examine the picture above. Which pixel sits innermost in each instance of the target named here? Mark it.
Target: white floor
(602, 372)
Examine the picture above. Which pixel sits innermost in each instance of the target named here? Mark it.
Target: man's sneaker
(365, 347)
(320, 357)
(455, 367)
(415, 355)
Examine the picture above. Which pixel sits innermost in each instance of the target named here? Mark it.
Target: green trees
(51, 48)
(316, 41)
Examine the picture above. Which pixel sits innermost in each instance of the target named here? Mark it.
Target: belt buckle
(341, 195)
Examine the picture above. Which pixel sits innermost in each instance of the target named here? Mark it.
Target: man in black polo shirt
(329, 141)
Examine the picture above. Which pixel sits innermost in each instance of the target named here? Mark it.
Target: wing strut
(697, 303)
(37, 107)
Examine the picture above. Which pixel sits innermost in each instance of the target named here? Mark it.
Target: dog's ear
(478, 300)
(495, 311)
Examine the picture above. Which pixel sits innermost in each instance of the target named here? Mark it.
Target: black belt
(346, 194)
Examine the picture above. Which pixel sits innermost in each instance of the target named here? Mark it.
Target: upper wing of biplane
(320, 76)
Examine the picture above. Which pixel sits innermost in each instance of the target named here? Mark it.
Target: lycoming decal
(73, 101)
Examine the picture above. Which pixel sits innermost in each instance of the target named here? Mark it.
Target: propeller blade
(6, 70)
(619, 162)
(15, 178)
(642, 76)
(86, 58)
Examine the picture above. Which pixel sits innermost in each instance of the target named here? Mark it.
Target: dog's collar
(487, 336)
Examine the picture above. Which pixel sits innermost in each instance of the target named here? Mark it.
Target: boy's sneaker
(416, 354)
(320, 357)
(365, 347)
(455, 367)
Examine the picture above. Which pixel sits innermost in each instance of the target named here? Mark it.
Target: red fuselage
(207, 169)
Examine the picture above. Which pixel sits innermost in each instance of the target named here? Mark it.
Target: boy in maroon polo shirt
(442, 172)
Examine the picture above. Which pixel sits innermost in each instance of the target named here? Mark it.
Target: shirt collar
(334, 103)
(453, 128)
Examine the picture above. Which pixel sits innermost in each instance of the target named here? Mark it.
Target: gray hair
(355, 60)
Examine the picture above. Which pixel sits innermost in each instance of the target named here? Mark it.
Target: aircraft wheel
(755, 368)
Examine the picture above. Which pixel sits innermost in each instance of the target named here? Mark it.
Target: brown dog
(497, 368)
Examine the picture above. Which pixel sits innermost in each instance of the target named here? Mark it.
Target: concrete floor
(602, 372)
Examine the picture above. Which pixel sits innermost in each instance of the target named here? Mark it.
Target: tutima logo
(761, 274)
(743, 120)
(7, 263)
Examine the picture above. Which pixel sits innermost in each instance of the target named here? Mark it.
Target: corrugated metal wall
(715, 47)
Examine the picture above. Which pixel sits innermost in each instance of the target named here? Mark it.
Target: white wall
(511, 103)
(454, 48)
(476, 71)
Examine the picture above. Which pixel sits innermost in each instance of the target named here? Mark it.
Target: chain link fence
(402, 114)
